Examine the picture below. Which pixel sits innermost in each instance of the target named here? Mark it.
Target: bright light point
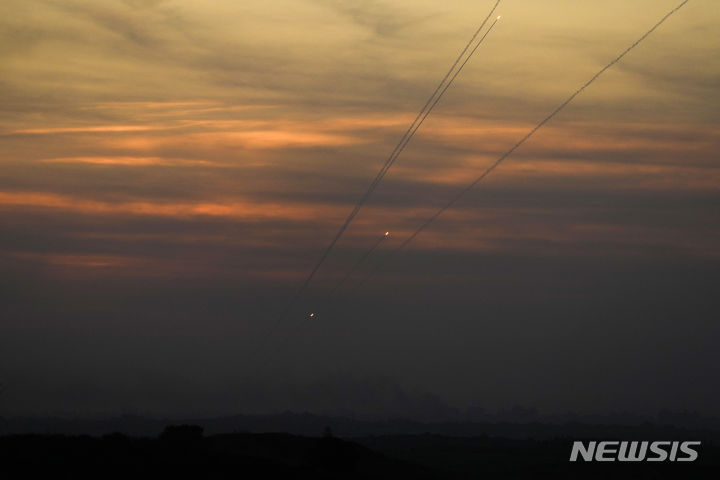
(387, 234)
(312, 315)
(498, 17)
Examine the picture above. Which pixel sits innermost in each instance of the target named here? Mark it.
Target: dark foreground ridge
(182, 451)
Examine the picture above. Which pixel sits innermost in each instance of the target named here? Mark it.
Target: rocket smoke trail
(312, 316)
(352, 270)
(446, 87)
(417, 125)
(412, 131)
(393, 156)
(463, 192)
(359, 262)
(532, 132)
(424, 112)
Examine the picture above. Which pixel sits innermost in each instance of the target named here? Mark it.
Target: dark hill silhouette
(306, 424)
(182, 452)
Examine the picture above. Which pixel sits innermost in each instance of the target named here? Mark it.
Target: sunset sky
(170, 172)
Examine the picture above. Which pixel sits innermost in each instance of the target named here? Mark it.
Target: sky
(170, 172)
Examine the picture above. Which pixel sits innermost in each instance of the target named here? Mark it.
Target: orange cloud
(91, 129)
(231, 208)
(94, 261)
(252, 138)
(515, 169)
(262, 139)
(245, 133)
(492, 135)
(130, 161)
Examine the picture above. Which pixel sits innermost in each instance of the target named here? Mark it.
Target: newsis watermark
(635, 451)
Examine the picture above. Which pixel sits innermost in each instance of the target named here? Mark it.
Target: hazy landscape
(358, 238)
